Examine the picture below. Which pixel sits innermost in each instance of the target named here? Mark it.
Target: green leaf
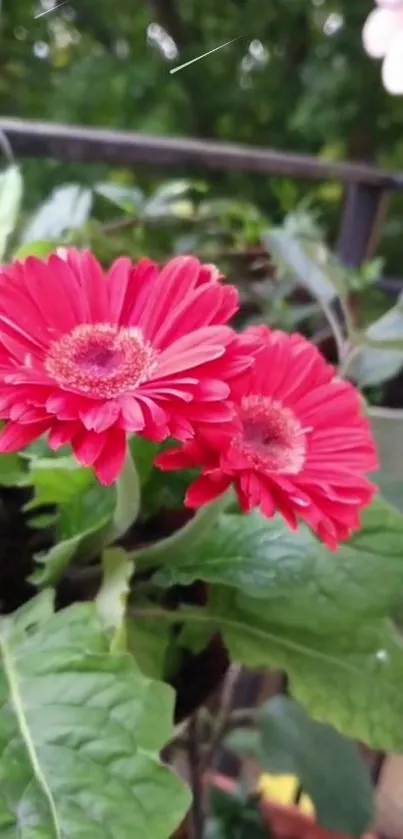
(112, 596)
(128, 500)
(168, 200)
(54, 561)
(67, 208)
(57, 480)
(148, 641)
(245, 742)
(351, 681)
(372, 365)
(127, 198)
(41, 249)
(293, 576)
(11, 189)
(80, 733)
(329, 766)
(310, 263)
(143, 453)
(282, 601)
(12, 470)
(84, 511)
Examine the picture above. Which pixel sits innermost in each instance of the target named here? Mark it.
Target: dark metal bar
(364, 210)
(65, 142)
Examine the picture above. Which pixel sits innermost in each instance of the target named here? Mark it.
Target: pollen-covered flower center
(272, 436)
(101, 360)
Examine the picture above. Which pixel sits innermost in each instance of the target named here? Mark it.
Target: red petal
(109, 464)
(93, 284)
(63, 433)
(15, 436)
(101, 416)
(88, 446)
(205, 490)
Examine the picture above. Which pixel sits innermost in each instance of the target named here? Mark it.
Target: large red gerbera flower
(301, 446)
(89, 358)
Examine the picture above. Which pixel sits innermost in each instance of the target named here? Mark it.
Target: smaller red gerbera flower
(90, 358)
(301, 445)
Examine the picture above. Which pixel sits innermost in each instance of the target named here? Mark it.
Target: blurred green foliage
(298, 80)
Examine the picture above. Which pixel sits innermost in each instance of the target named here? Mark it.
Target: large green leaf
(80, 732)
(328, 765)
(149, 642)
(297, 580)
(282, 601)
(351, 681)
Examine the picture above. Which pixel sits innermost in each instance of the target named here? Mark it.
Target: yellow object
(283, 789)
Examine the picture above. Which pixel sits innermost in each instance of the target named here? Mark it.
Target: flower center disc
(272, 438)
(101, 360)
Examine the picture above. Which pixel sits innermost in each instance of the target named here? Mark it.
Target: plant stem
(196, 815)
(223, 715)
(185, 537)
(128, 500)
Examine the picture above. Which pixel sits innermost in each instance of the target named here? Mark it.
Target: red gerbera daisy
(301, 446)
(89, 358)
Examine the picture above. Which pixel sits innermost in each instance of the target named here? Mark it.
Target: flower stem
(184, 538)
(128, 500)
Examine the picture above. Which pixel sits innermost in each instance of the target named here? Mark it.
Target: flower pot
(284, 822)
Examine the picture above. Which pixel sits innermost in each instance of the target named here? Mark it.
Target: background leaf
(67, 208)
(11, 189)
(80, 731)
(310, 263)
(372, 365)
(329, 767)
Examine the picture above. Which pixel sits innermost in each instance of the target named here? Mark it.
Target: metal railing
(367, 189)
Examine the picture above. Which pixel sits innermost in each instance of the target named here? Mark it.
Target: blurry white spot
(41, 49)
(158, 37)
(28, 360)
(122, 48)
(62, 253)
(47, 5)
(392, 68)
(382, 656)
(378, 32)
(258, 52)
(333, 23)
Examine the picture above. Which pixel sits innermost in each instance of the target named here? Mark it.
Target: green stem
(184, 538)
(128, 500)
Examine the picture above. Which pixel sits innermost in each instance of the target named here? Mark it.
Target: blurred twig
(196, 815)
